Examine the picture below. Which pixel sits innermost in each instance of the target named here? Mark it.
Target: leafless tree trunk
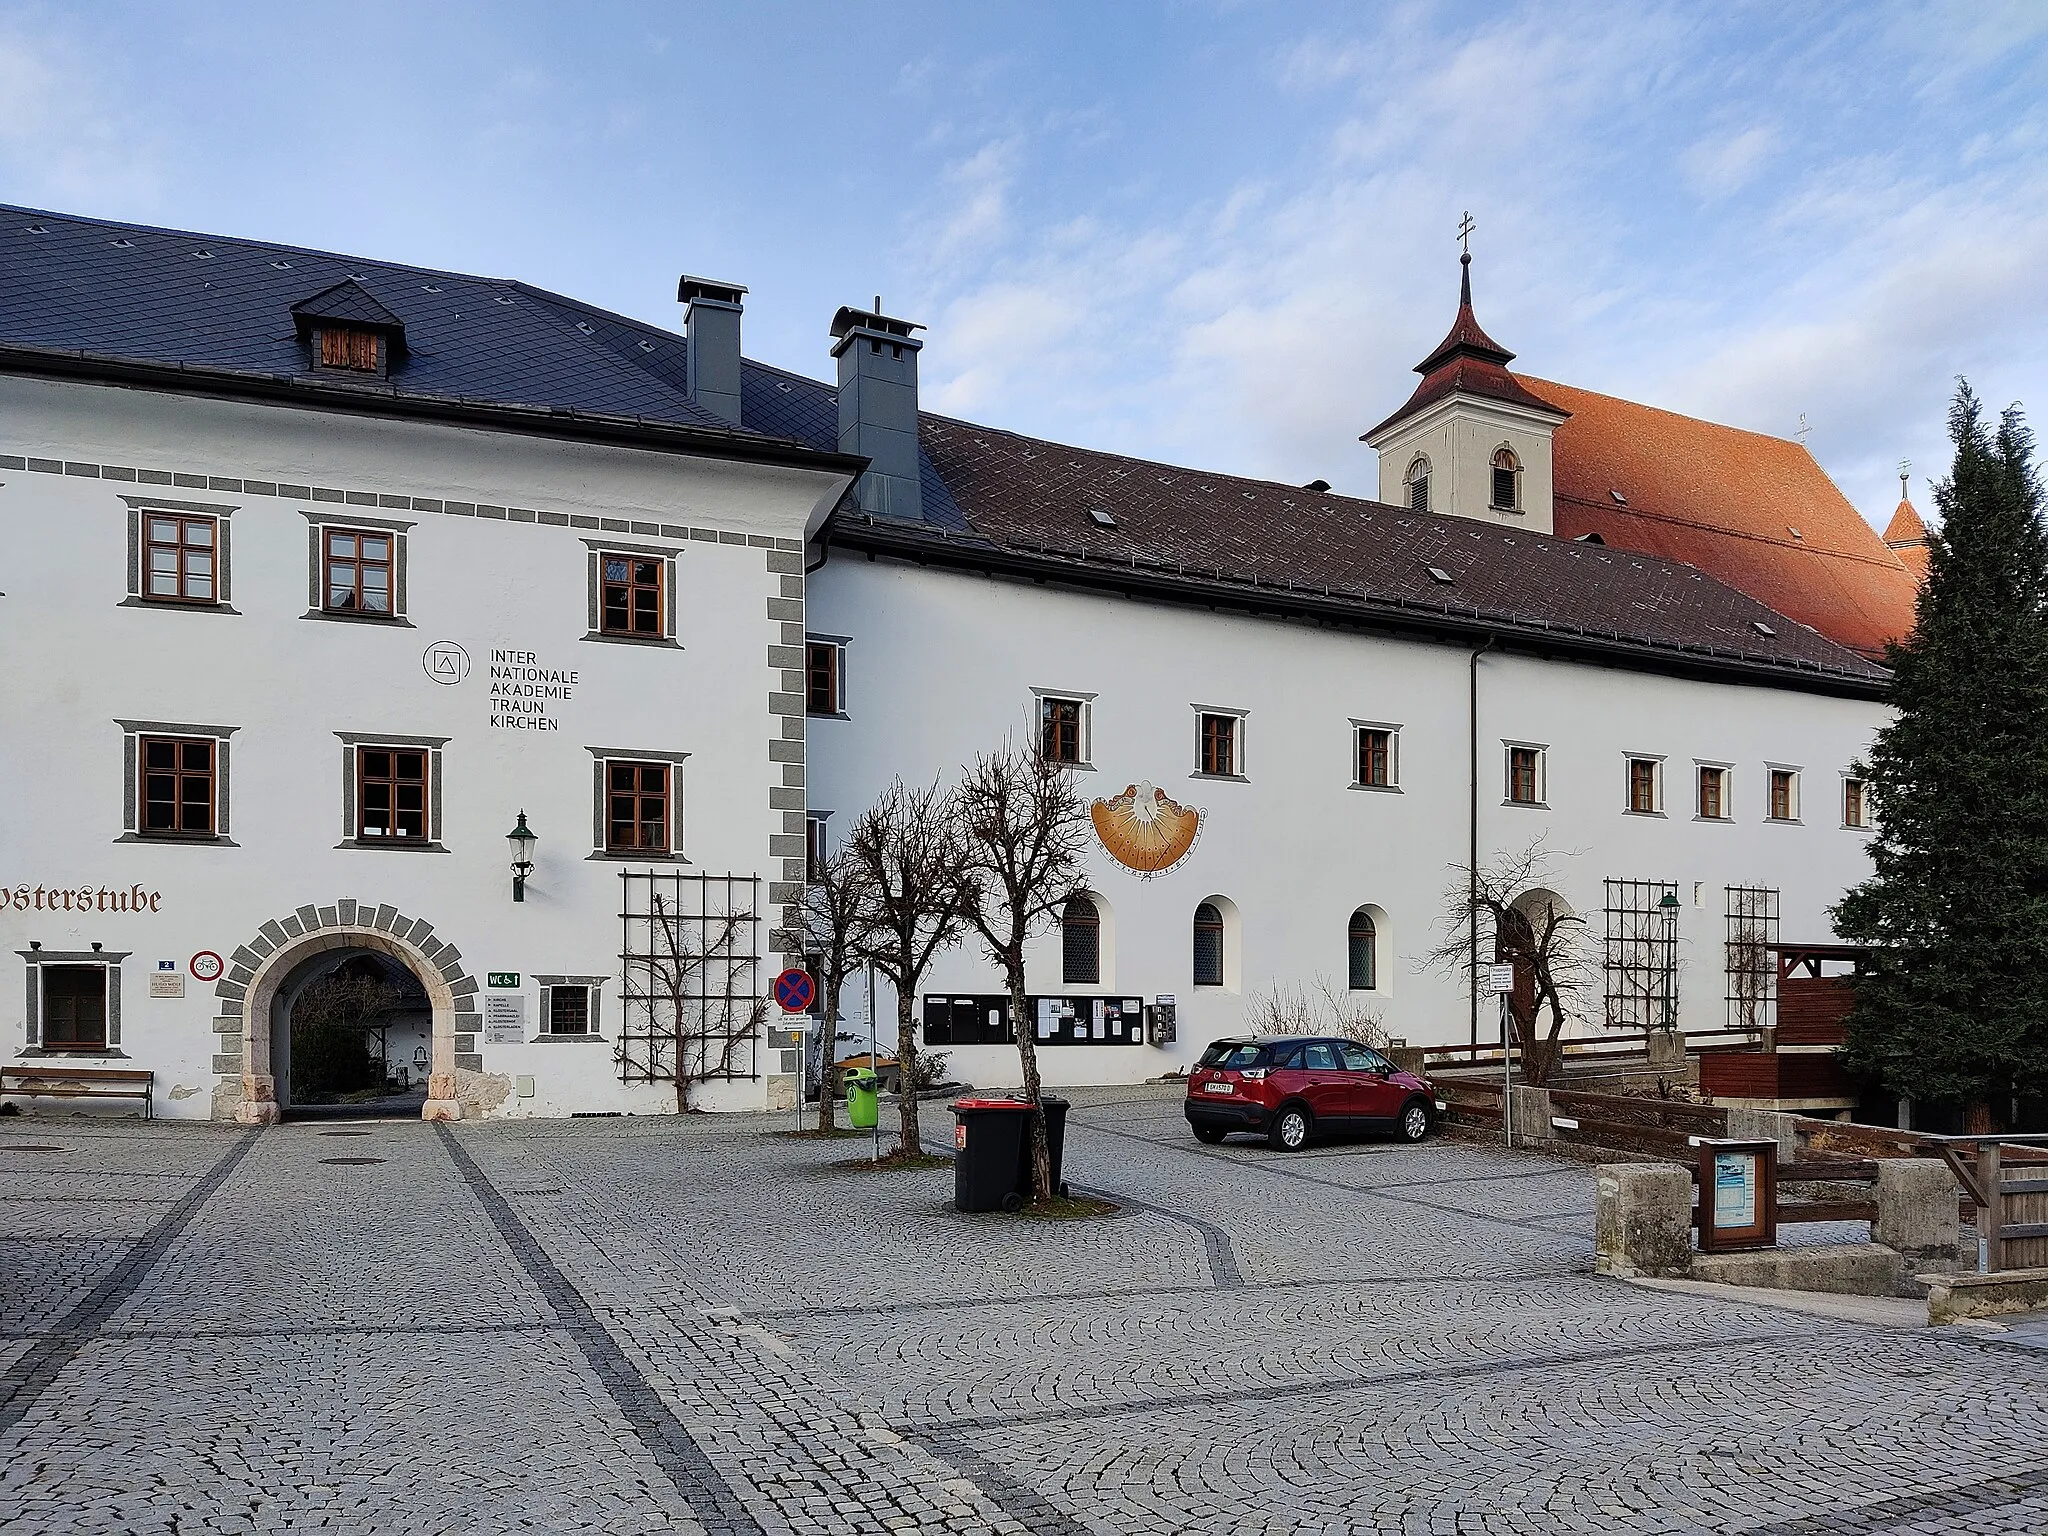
(831, 925)
(1546, 939)
(907, 848)
(706, 1050)
(1023, 832)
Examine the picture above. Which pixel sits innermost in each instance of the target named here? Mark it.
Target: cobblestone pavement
(699, 1326)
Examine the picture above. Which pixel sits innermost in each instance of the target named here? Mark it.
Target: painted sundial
(1145, 831)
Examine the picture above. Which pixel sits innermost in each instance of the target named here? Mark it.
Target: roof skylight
(1439, 575)
(1763, 629)
(1100, 518)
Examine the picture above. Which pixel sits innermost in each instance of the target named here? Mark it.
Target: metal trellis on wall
(1641, 955)
(691, 972)
(1752, 962)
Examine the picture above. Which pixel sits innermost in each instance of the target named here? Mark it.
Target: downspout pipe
(1472, 829)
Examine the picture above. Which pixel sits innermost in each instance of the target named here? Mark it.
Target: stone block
(1531, 1113)
(1767, 1125)
(1953, 1298)
(1916, 1212)
(1643, 1220)
(1667, 1050)
(1844, 1269)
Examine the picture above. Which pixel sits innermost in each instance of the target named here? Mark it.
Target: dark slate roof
(204, 302)
(349, 302)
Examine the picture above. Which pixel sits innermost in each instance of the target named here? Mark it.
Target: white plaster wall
(75, 661)
(940, 666)
(1460, 436)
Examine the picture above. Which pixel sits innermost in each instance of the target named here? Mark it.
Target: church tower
(1471, 441)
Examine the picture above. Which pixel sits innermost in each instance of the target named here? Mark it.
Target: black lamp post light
(522, 840)
(1668, 910)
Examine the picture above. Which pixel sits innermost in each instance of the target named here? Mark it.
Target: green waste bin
(863, 1098)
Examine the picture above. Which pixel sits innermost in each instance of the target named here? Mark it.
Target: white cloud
(1717, 167)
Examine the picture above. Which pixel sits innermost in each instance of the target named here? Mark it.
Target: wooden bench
(81, 1083)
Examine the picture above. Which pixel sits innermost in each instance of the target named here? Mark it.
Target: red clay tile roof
(1906, 536)
(1466, 362)
(1753, 511)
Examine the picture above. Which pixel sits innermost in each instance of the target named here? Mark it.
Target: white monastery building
(327, 574)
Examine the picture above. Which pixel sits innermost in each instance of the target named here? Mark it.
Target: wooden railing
(2006, 1177)
(1590, 1049)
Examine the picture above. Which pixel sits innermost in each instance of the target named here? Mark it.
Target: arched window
(1080, 943)
(1417, 481)
(1507, 481)
(1365, 952)
(1208, 946)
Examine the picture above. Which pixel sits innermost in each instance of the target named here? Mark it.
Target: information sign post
(1738, 1194)
(1503, 979)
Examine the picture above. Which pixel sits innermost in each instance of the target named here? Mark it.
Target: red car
(1291, 1087)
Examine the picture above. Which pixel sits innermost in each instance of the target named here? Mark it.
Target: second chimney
(878, 407)
(712, 326)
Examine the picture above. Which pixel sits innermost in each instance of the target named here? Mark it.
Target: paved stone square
(697, 1325)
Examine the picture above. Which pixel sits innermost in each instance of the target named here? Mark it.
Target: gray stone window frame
(1798, 796)
(352, 742)
(547, 985)
(839, 643)
(320, 521)
(140, 507)
(667, 554)
(1237, 743)
(108, 960)
(1727, 770)
(1393, 733)
(1508, 749)
(601, 757)
(1086, 763)
(132, 732)
(1628, 768)
(1868, 823)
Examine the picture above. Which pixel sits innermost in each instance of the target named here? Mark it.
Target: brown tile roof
(1906, 536)
(1186, 535)
(1466, 362)
(1753, 511)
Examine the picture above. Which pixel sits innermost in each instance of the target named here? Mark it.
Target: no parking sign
(794, 991)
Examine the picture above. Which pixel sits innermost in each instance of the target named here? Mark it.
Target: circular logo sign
(445, 662)
(793, 991)
(207, 966)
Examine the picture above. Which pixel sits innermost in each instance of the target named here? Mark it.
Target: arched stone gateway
(248, 992)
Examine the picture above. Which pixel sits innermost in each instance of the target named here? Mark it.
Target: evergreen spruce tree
(1954, 1005)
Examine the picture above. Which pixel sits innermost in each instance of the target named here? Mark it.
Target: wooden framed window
(345, 347)
(631, 596)
(1217, 746)
(178, 779)
(1080, 943)
(357, 571)
(1855, 803)
(636, 807)
(568, 1010)
(1375, 767)
(1784, 794)
(1525, 775)
(1713, 794)
(823, 660)
(816, 852)
(74, 1007)
(1507, 481)
(392, 795)
(1208, 945)
(1060, 724)
(1363, 945)
(1642, 786)
(180, 557)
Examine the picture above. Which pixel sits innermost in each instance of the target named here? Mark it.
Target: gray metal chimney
(878, 407)
(712, 325)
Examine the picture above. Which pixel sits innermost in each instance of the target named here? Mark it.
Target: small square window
(74, 1007)
(631, 601)
(1784, 795)
(1713, 800)
(824, 661)
(1217, 749)
(1525, 775)
(357, 566)
(568, 1010)
(1062, 728)
(178, 778)
(347, 348)
(1644, 798)
(392, 794)
(1855, 803)
(179, 557)
(636, 807)
(1375, 763)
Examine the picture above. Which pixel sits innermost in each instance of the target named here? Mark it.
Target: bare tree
(700, 1023)
(908, 850)
(1321, 1010)
(1543, 940)
(1023, 833)
(831, 926)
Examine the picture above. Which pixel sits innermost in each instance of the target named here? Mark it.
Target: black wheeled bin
(988, 1144)
(1055, 1145)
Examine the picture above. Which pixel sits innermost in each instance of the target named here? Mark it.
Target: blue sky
(1218, 233)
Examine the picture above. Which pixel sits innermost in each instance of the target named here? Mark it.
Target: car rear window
(1232, 1055)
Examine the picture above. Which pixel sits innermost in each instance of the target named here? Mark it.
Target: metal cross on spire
(1905, 474)
(1465, 228)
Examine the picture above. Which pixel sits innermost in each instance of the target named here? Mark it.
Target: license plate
(1219, 1087)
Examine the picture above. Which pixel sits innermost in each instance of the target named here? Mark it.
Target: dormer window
(1417, 481)
(344, 347)
(1507, 481)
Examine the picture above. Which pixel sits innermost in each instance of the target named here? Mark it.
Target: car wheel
(1414, 1121)
(1209, 1135)
(1290, 1129)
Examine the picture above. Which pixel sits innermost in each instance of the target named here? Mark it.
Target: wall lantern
(1667, 909)
(522, 840)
